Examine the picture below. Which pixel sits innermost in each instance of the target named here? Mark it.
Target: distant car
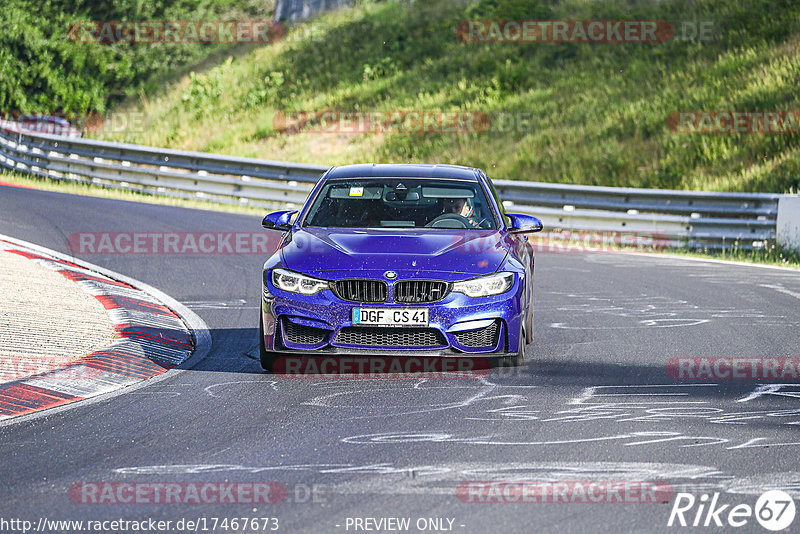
(48, 124)
(399, 259)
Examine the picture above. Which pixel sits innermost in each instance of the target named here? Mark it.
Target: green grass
(597, 111)
(773, 255)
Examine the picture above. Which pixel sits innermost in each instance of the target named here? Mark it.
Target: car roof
(403, 170)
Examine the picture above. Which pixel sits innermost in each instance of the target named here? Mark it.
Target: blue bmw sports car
(405, 260)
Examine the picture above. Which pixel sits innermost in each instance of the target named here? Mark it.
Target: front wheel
(267, 358)
(519, 358)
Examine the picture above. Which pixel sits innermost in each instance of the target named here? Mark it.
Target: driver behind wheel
(459, 206)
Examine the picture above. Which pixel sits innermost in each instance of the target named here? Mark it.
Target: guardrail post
(788, 231)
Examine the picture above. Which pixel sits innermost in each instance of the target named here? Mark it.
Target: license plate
(390, 316)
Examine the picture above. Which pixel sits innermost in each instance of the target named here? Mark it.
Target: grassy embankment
(597, 111)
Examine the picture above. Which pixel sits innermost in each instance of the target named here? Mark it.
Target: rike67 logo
(774, 510)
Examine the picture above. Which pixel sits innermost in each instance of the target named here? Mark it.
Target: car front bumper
(459, 326)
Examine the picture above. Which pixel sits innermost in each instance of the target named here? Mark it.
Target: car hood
(473, 252)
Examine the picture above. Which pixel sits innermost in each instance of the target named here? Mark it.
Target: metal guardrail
(682, 218)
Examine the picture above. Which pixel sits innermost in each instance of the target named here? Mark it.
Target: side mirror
(278, 220)
(524, 224)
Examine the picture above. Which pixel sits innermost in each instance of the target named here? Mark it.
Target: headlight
(494, 284)
(298, 283)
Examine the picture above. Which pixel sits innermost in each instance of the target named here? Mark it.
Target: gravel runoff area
(46, 320)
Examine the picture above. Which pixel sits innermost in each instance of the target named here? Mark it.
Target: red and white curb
(151, 338)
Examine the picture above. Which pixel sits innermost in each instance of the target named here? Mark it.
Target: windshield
(401, 203)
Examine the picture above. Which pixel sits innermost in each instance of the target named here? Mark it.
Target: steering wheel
(480, 223)
(449, 220)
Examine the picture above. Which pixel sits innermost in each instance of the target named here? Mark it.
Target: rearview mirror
(524, 224)
(278, 220)
(411, 196)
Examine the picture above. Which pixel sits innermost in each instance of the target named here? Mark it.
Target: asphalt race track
(594, 400)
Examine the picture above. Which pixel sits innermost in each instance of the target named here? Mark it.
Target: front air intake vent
(483, 337)
(299, 334)
(390, 337)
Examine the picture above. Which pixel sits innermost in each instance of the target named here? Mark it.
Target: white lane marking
(759, 442)
(141, 318)
(781, 289)
(443, 478)
(555, 470)
(591, 391)
(194, 469)
(645, 323)
(772, 389)
(656, 437)
(272, 383)
(237, 304)
(485, 388)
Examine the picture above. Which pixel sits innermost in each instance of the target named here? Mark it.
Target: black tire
(267, 358)
(526, 343)
(529, 330)
(519, 358)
